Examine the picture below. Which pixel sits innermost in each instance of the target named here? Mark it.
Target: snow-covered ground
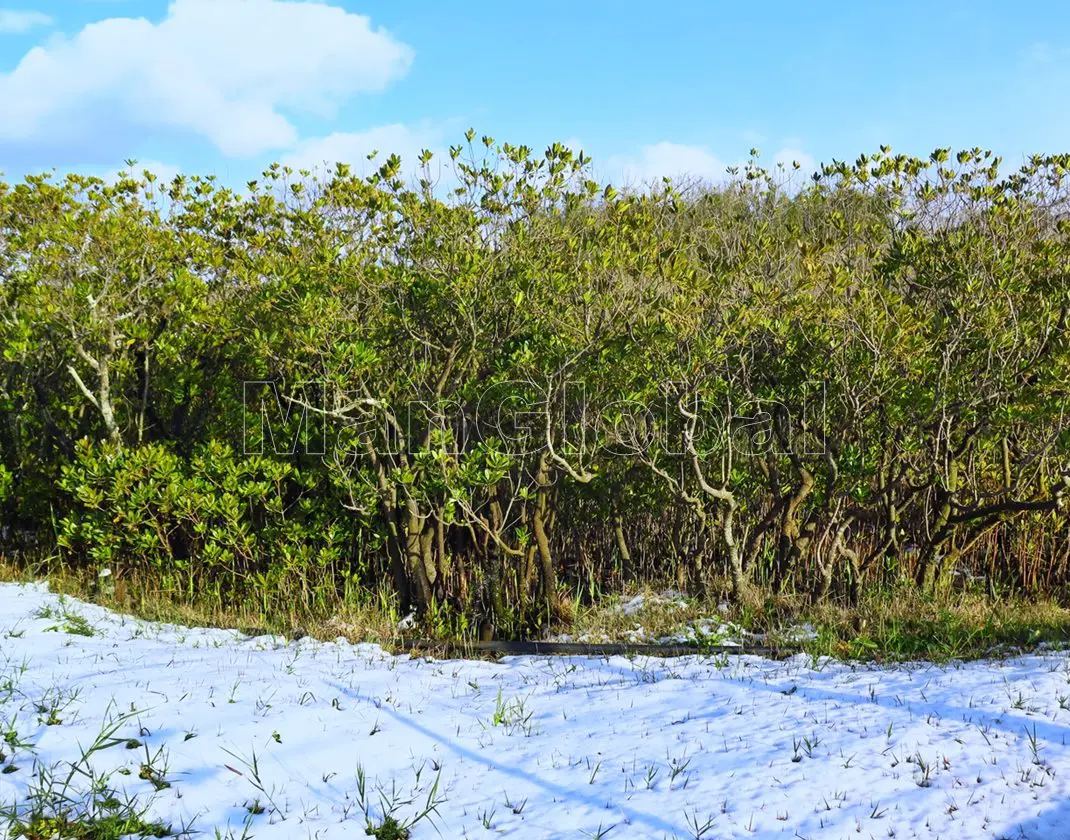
(528, 747)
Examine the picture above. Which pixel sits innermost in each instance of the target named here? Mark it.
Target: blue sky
(227, 86)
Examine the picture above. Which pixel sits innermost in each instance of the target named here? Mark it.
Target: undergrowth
(891, 624)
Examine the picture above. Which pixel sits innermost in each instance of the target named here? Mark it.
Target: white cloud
(573, 143)
(164, 172)
(320, 154)
(789, 157)
(226, 70)
(683, 162)
(353, 147)
(15, 22)
(666, 159)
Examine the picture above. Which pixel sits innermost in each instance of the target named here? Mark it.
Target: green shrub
(214, 517)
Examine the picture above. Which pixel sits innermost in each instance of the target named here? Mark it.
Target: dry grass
(890, 625)
(901, 624)
(663, 613)
(142, 596)
(895, 624)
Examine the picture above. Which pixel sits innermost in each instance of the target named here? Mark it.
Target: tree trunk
(540, 518)
(741, 587)
(626, 567)
(442, 558)
(416, 568)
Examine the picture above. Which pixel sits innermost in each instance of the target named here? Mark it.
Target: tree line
(521, 380)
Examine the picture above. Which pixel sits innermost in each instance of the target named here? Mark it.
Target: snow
(669, 599)
(698, 631)
(534, 747)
